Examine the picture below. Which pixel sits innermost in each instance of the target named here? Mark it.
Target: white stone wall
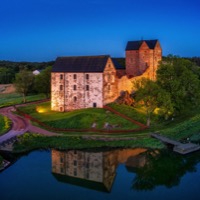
(81, 92)
(77, 92)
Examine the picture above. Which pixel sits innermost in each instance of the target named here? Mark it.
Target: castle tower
(143, 56)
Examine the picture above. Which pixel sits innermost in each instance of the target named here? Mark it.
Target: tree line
(8, 69)
(176, 90)
(26, 82)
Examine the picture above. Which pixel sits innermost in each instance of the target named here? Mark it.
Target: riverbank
(29, 142)
(178, 129)
(3, 163)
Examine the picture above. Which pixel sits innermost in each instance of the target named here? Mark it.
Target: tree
(152, 96)
(43, 82)
(176, 77)
(23, 82)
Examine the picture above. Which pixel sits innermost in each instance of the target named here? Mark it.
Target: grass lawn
(78, 119)
(179, 128)
(183, 126)
(5, 124)
(14, 98)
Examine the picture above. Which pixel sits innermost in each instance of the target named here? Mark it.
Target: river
(110, 174)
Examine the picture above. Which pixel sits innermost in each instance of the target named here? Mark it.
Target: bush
(5, 124)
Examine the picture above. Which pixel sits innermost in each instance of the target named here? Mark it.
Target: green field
(78, 119)
(178, 128)
(5, 124)
(14, 98)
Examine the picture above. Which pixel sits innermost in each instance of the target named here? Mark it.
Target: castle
(94, 81)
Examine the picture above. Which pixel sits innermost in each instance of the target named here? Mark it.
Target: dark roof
(135, 45)
(80, 64)
(117, 64)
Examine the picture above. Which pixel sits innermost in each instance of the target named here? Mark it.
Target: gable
(110, 66)
(144, 46)
(135, 45)
(157, 46)
(80, 64)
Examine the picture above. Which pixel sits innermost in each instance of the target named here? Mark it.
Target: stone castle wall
(70, 91)
(145, 59)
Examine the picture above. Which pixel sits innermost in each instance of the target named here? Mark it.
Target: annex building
(94, 81)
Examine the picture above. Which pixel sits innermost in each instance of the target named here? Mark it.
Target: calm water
(117, 174)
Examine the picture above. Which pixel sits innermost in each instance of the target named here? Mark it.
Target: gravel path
(20, 125)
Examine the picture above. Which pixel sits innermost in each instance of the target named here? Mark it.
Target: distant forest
(8, 69)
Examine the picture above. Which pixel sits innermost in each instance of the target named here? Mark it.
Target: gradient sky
(41, 30)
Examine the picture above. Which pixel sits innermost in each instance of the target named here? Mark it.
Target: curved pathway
(20, 125)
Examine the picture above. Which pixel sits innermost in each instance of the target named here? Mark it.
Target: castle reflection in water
(94, 170)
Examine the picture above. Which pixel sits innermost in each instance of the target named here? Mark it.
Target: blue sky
(41, 30)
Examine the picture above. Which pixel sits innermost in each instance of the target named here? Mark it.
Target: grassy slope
(14, 98)
(79, 119)
(28, 142)
(187, 125)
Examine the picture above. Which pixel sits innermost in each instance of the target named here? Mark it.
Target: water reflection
(97, 170)
(94, 170)
(163, 168)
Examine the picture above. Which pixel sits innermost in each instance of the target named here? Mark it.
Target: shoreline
(5, 164)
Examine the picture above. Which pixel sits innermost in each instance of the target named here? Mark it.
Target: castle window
(113, 78)
(75, 76)
(87, 87)
(75, 172)
(74, 87)
(87, 76)
(94, 105)
(61, 87)
(61, 109)
(109, 77)
(61, 76)
(61, 160)
(75, 163)
(75, 99)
